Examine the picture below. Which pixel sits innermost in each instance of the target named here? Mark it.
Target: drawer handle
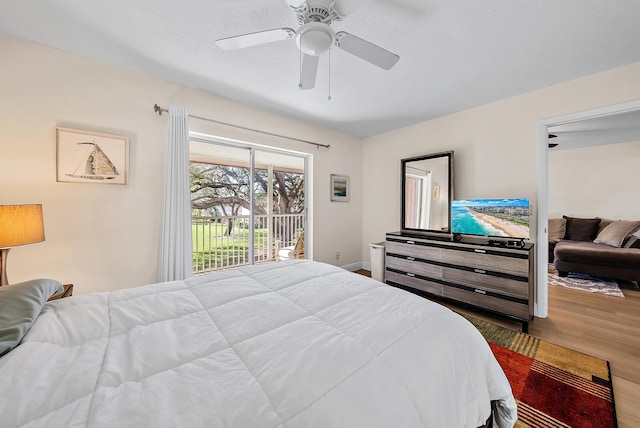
(480, 291)
(478, 250)
(479, 271)
(410, 258)
(411, 274)
(411, 242)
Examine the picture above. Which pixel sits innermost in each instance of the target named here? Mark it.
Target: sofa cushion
(597, 254)
(581, 229)
(616, 233)
(557, 229)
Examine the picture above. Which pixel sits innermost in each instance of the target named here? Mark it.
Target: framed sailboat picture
(91, 157)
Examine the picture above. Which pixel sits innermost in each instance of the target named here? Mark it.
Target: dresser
(495, 278)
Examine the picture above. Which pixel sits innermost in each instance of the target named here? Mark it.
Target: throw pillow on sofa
(557, 229)
(617, 232)
(632, 242)
(581, 229)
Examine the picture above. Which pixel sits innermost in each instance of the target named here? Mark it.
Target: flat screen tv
(508, 218)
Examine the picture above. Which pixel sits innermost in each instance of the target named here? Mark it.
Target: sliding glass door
(248, 204)
(280, 206)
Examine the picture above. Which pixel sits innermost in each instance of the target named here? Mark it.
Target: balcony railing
(223, 241)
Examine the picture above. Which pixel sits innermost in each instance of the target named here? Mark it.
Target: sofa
(595, 246)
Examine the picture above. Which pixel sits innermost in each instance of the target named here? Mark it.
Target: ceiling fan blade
(345, 7)
(366, 50)
(294, 4)
(308, 72)
(254, 39)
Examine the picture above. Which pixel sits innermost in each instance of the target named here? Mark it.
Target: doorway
(609, 113)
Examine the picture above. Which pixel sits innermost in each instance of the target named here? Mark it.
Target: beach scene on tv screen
(491, 217)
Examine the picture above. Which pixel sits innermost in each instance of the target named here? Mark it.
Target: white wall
(495, 146)
(600, 181)
(105, 237)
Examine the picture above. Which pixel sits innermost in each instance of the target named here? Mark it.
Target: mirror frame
(449, 156)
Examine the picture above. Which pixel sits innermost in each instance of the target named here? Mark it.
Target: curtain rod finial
(158, 109)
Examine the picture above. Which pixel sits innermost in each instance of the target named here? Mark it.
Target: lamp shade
(20, 225)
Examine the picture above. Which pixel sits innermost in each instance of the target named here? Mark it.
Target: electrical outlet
(337, 255)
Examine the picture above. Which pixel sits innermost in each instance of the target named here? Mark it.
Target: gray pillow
(20, 305)
(616, 233)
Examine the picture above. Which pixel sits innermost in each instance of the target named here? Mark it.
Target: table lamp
(19, 225)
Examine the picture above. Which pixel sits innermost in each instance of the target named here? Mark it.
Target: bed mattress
(287, 344)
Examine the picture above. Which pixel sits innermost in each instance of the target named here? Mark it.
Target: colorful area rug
(553, 386)
(578, 281)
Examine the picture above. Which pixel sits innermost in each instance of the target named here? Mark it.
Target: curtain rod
(160, 110)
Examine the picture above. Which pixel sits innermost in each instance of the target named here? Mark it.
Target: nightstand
(68, 290)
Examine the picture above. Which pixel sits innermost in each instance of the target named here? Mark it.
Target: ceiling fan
(314, 38)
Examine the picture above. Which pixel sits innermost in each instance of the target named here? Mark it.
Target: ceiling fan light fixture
(315, 38)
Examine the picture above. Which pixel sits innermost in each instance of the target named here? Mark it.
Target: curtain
(175, 260)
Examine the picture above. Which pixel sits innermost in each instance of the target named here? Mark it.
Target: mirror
(427, 191)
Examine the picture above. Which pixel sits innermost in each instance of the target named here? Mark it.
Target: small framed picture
(340, 188)
(436, 192)
(91, 157)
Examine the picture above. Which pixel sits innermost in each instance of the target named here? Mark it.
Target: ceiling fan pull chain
(329, 56)
(300, 56)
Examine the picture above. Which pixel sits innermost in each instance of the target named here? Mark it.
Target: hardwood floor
(602, 326)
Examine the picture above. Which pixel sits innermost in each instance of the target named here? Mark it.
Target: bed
(295, 343)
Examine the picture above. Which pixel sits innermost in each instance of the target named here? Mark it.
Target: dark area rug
(553, 386)
(583, 282)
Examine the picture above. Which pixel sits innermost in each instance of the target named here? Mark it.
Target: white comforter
(288, 344)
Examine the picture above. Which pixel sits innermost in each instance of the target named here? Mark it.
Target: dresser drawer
(484, 259)
(503, 306)
(413, 282)
(478, 279)
(413, 250)
(488, 276)
(408, 265)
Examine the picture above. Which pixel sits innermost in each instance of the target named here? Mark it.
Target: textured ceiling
(454, 54)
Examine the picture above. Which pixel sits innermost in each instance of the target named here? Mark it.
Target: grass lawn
(212, 248)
